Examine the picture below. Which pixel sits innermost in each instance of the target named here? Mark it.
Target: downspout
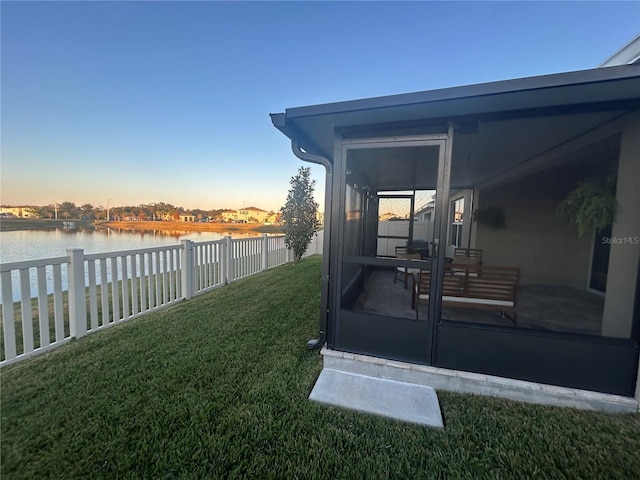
(470, 217)
(317, 343)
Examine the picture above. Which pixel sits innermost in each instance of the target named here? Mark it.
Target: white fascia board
(627, 55)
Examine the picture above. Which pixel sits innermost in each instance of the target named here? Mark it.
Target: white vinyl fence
(388, 229)
(45, 303)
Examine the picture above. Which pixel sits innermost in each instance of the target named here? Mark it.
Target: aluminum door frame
(341, 147)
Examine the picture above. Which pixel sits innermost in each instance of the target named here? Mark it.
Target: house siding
(625, 256)
(547, 249)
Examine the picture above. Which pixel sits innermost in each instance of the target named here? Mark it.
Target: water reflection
(24, 245)
(21, 245)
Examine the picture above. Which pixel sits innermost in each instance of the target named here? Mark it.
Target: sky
(138, 102)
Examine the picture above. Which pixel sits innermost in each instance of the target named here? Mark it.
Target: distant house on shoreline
(19, 212)
(249, 215)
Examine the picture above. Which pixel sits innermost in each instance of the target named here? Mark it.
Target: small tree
(299, 213)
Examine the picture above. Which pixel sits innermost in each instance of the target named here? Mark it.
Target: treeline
(145, 212)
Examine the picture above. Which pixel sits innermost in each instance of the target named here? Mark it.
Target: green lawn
(216, 387)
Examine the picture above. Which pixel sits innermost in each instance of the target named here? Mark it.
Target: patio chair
(422, 247)
(470, 253)
(406, 271)
(464, 261)
(404, 249)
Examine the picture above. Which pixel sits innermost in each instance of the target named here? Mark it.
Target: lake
(24, 245)
(20, 245)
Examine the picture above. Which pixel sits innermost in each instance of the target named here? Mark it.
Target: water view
(29, 245)
(21, 245)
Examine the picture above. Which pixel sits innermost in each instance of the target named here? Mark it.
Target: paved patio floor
(545, 307)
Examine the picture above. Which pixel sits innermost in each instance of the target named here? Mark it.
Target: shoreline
(15, 224)
(193, 226)
(10, 225)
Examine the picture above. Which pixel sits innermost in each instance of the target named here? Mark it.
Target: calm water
(35, 244)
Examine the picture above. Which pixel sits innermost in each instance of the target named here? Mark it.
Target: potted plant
(591, 205)
(492, 217)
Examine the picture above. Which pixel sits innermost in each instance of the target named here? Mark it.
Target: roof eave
(476, 90)
(291, 131)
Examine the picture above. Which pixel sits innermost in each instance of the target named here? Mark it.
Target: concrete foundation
(475, 383)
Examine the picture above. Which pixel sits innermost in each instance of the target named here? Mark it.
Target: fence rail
(47, 302)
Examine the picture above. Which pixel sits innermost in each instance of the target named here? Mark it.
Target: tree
(198, 213)
(88, 211)
(216, 214)
(46, 211)
(299, 220)
(68, 210)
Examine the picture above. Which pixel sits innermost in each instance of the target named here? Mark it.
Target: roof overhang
(612, 88)
(628, 54)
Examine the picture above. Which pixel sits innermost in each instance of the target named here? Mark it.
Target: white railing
(45, 303)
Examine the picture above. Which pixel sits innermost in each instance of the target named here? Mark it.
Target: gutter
(318, 343)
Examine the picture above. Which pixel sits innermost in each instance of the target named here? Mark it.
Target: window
(457, 214)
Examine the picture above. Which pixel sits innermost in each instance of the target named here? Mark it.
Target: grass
(110, 313)
(35, 323)
(216, 387)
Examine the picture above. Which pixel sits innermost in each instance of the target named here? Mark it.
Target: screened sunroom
(450, 227)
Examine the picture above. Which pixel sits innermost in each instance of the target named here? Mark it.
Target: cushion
(408, 270)
(471, 301)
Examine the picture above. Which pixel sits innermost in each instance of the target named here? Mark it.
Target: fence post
(188, 271)
(265, 252)
(320, 243)
(77, 293)
(229, 259)
(311, 247)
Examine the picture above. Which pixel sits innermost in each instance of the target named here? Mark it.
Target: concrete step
(407, 402)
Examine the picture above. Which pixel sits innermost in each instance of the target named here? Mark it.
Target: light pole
(108, 217)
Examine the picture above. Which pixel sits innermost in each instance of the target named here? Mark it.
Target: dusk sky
(141, 102)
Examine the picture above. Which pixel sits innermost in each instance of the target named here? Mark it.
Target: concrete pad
(407, 402)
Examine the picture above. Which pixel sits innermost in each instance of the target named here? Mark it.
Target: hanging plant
(592, 204)
(492, 217)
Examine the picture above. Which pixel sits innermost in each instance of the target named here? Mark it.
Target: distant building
(253, 215)
(187, 218)
(229, 215)
(19, 212)
(274, 217)
(249, 215)
(425, 213)
(387, 216)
